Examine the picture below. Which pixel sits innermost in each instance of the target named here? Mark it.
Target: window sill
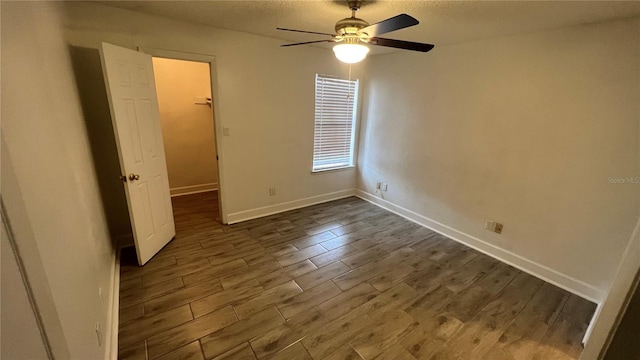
(332, 169)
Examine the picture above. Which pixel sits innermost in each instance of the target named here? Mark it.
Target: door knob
(133, 177)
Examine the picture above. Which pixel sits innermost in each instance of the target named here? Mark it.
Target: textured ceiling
(441, 22)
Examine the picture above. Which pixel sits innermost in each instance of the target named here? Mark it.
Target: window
(334, 132)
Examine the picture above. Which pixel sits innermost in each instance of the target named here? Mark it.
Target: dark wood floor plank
(331, 337)
(131, 283)
(395, 352)
(316, 277)
(431, 303)
(203, 253)
(391, 277)
(285, 274)
(129, 264)
(397, 298)
(348, 300)
(383, 332)
(322, 228)
(181, 297)
(240, 352)
(345, 352)
(226, 297)
(350, 237)
(563, 339)
(241, 331)
(190, 351)
(281, 337)
(469, 302)
(498, 277)
(579, 308)
(338, 280)
(142, 294)
(308, 299)
(466, 275)
(188, 332)
(231, 255)
(523, 340)
(300, 255)
(349, 228)
(131, 313)
(293, 352)
(365, 256)
(133, 351)
(546, 304)
(214, 272)
(281, 249)
(431, 332)
(166, 273)
(313, 239)
(149, 326)
(250, 273)
(332, 255)
(267, 298)
(370, 270)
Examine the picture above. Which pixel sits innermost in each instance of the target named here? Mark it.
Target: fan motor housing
(350, 25)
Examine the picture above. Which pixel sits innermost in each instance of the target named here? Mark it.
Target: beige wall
(45, 139)
(266, 96)
(187, 128)
(525, 130)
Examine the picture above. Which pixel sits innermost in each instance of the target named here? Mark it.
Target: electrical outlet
(384, 186)
(490, 225)
(99, 334)
(226, 131)
(272, 191)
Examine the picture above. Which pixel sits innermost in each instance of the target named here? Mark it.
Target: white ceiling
(441, 22)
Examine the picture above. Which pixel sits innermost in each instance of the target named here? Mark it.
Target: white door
(136, 123)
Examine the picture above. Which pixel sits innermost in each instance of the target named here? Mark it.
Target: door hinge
(123, 178)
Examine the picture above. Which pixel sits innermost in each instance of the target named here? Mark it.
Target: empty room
(320, 180)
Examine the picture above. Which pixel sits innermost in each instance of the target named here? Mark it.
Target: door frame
(213, 78)
(611, 309)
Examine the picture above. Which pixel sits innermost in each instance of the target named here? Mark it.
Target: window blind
(336, 101)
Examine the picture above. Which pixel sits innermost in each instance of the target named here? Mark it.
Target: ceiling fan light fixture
(350, 53)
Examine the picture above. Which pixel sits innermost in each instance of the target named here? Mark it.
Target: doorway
(187, 119)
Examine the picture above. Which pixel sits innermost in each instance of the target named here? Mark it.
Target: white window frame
(321, 160)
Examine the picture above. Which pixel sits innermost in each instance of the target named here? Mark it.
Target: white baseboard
(113, 314)
(193, 189)
(543, 272)
(286, 206)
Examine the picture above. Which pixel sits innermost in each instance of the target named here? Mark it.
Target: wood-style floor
(339, 280)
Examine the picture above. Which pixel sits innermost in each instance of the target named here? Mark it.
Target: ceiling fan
(353, 33)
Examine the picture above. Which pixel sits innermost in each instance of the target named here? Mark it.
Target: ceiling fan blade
(392, 24)
(307, 42)
(401, 44)
(306, 32)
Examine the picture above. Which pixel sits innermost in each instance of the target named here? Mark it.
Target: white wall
(187, 127)
(45, 137)
(524, 130)
(266, 96)
(20, 336)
